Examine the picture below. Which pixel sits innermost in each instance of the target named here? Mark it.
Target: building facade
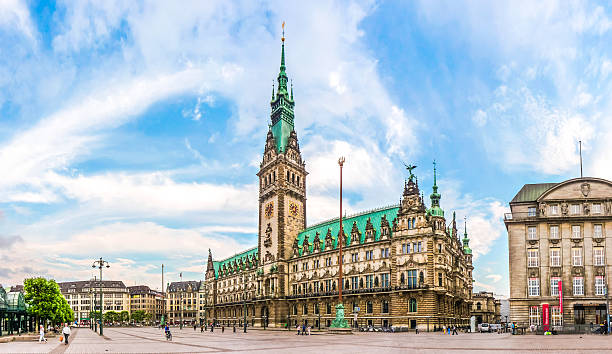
(558, 235)
(84, 296)
(152, 302)
(187, 294)
(486, 308)
(404, 265)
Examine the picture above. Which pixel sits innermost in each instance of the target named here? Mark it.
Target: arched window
(412, 305)
(413, 223)
(402, 278)
(294, 309)
(410, 223)
(478, 306)
(376, 281)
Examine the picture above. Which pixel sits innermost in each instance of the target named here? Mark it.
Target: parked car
(494, 327)
(484, 327)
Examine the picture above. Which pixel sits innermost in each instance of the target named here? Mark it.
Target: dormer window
(554, 210)
(575, 209)
(531, 211)
(596, 208)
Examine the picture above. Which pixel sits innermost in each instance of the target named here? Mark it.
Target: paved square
(151, 340)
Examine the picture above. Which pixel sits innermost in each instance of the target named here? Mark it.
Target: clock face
(294, 209)
(269, 209)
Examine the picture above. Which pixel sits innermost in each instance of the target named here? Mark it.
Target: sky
(133, 130)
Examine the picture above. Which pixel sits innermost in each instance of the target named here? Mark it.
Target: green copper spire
(282, 106)
(435, 209)
(466, 240)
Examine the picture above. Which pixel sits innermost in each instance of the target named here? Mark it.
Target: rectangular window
(384, 253)
(554, 286)
(575, 209)
(533, 285)
(412, 279)
(408, 248)
(578, 286)
(555, 257)
(576, 231)
(598, 256)
(419, 246)
(596, 208)
(554, 210)
(404, 248)
(531, 233)
(439, 279)
(597, 230)
(355, 283)
(600, 285)
(557, 318)
(531, 211)
(384, 280)
(577, 256)
(554, 231)
(369, 281)
(534, 316)
(532, 257)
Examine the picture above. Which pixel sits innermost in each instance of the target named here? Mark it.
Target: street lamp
(244, 278)
(339, 321)
(100, 264)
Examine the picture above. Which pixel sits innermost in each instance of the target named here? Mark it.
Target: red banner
(545, 316)
(560, 297)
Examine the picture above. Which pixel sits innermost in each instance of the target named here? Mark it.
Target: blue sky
(133, 130)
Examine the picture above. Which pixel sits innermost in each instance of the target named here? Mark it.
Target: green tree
(111, 316)
(46, 301)
(124, 316)
(138, 316)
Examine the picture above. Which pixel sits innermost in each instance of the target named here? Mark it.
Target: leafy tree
(111, 316)
(94, 315)
(46, 301)
(124, 316)
(138, 316)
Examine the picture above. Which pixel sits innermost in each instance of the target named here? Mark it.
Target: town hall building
(404, 265)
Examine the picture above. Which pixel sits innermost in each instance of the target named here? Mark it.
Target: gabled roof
(531, 192)
(375, 216)
(251, 255)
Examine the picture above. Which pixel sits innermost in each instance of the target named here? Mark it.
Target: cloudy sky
(134, 130)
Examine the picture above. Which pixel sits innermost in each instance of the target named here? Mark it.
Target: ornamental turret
(466, 240)
(435, 209)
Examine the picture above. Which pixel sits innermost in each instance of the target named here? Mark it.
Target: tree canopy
(46, 301)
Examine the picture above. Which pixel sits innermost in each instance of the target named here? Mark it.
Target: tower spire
(435, 196)
(466, 240)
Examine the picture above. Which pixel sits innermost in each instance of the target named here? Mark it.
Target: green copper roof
(282, 108)
(531, 192)
(466, 241)
(375, 217)
(435, 197)
(236, 263)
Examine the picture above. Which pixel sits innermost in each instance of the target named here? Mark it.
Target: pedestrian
(201, 328)
(308, 330)
(444, 329)
(297, 326)
(303, 329)
(204, 326)
(234, 328)
(416, 330)
(194, 327)
(223, 329)
(42, 335)
(66, 333)
(212, 327)
(455, 330)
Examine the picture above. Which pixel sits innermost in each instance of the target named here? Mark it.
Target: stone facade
(187, 293)
(83, 295)
(404, 265)
(486, 308)
(152, 302)
(558, 232)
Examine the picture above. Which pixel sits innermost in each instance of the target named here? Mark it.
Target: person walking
(194, 327)
(234, 328)
(297, 327)
(66, 333)
(455, 330)
(42, 335)
(308, 330)
(223, 329)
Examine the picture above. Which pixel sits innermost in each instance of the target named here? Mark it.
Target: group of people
(65, 333)
(303, 329)
(452, 330)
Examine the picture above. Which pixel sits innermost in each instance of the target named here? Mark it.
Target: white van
(484, 327)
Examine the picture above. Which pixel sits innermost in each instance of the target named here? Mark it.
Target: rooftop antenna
(580, 149)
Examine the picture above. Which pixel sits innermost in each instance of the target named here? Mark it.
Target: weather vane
(410, 168)
(283, 37)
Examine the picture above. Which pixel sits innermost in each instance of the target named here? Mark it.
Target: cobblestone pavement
(151, 340)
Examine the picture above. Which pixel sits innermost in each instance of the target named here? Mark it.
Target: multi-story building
(559, 236)
(486, 308)
(404, 265)
(152, 302)
(187, 293)
(83, 295)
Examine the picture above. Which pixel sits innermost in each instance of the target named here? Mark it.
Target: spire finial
(272, 89)
(292, 89)
(465, 226)
(434, 163)
(283, 37)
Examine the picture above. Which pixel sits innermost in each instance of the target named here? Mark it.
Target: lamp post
(339, 321)
(182, 289)
(244, 301)
(100, 264)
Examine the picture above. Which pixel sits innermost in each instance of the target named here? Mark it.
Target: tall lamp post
(339, 321)
(244, 302)
(182, 289)
(100, 264)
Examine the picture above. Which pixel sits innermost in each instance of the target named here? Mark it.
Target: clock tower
(282, 190)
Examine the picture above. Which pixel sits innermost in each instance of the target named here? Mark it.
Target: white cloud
(14, 15)
(494, 277)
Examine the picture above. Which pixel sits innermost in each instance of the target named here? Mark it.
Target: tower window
(298, 180)
(292, 178)
(287, 176)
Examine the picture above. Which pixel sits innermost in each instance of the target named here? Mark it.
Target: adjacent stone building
(559, 233)
(152, 302)
(82, 296)
(187, 293)
(404, 265)
(486, 308)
